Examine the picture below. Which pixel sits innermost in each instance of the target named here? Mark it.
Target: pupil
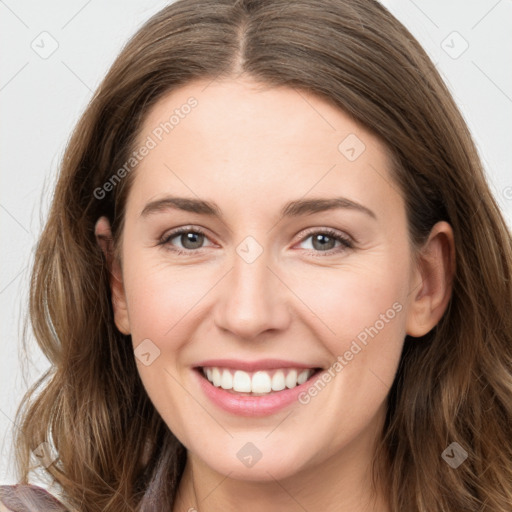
(323, 240)
(191, 240)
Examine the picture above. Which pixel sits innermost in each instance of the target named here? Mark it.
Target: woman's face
(294, 256)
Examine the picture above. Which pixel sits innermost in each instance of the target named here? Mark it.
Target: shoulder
(27, 498)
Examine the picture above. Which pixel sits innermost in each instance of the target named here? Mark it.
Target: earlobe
(103, 235)
(431, 293)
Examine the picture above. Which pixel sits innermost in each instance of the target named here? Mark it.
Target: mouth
(257, 383)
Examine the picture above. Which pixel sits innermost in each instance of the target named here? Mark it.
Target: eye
(190, 238)
(325, 241)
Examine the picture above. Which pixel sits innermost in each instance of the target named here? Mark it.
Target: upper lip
(252, 366)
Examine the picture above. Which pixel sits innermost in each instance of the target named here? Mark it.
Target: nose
(252, 299)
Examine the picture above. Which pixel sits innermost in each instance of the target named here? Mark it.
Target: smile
(253, 393)
(257, 383)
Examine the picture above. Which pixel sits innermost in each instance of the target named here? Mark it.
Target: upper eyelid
(173, 233)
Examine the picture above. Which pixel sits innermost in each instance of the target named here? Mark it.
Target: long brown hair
(114, 452)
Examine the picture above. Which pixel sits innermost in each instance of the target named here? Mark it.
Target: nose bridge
(252, 298)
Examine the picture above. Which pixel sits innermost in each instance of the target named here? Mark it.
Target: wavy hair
(114, 452)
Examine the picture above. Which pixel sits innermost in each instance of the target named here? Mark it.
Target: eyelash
(346, 243)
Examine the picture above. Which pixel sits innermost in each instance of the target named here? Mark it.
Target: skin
(250, 149)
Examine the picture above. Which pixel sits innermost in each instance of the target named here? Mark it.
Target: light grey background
(42, 96)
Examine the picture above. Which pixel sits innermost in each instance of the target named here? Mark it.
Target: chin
(271, 466)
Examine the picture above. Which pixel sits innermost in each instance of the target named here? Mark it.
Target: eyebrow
(291, 209)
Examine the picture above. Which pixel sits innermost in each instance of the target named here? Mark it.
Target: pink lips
(251, 406)
(253, 366)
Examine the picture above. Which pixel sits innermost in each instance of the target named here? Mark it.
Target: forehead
(258, 142)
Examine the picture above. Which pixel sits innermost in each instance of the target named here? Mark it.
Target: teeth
(260, 382)
(226, 381)
(216, 377)
(242, 382)
(291, 379)
(278, 381)
(303, 377)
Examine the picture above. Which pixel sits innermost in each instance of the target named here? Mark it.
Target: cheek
(360, 320)
(348, 300)
(162, 299)
(163, 304)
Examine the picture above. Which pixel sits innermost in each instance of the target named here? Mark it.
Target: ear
(103, 235)
(432, 283)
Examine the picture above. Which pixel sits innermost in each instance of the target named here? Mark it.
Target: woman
(273, 274)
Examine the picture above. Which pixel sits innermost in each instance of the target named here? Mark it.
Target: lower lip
(245, 405)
